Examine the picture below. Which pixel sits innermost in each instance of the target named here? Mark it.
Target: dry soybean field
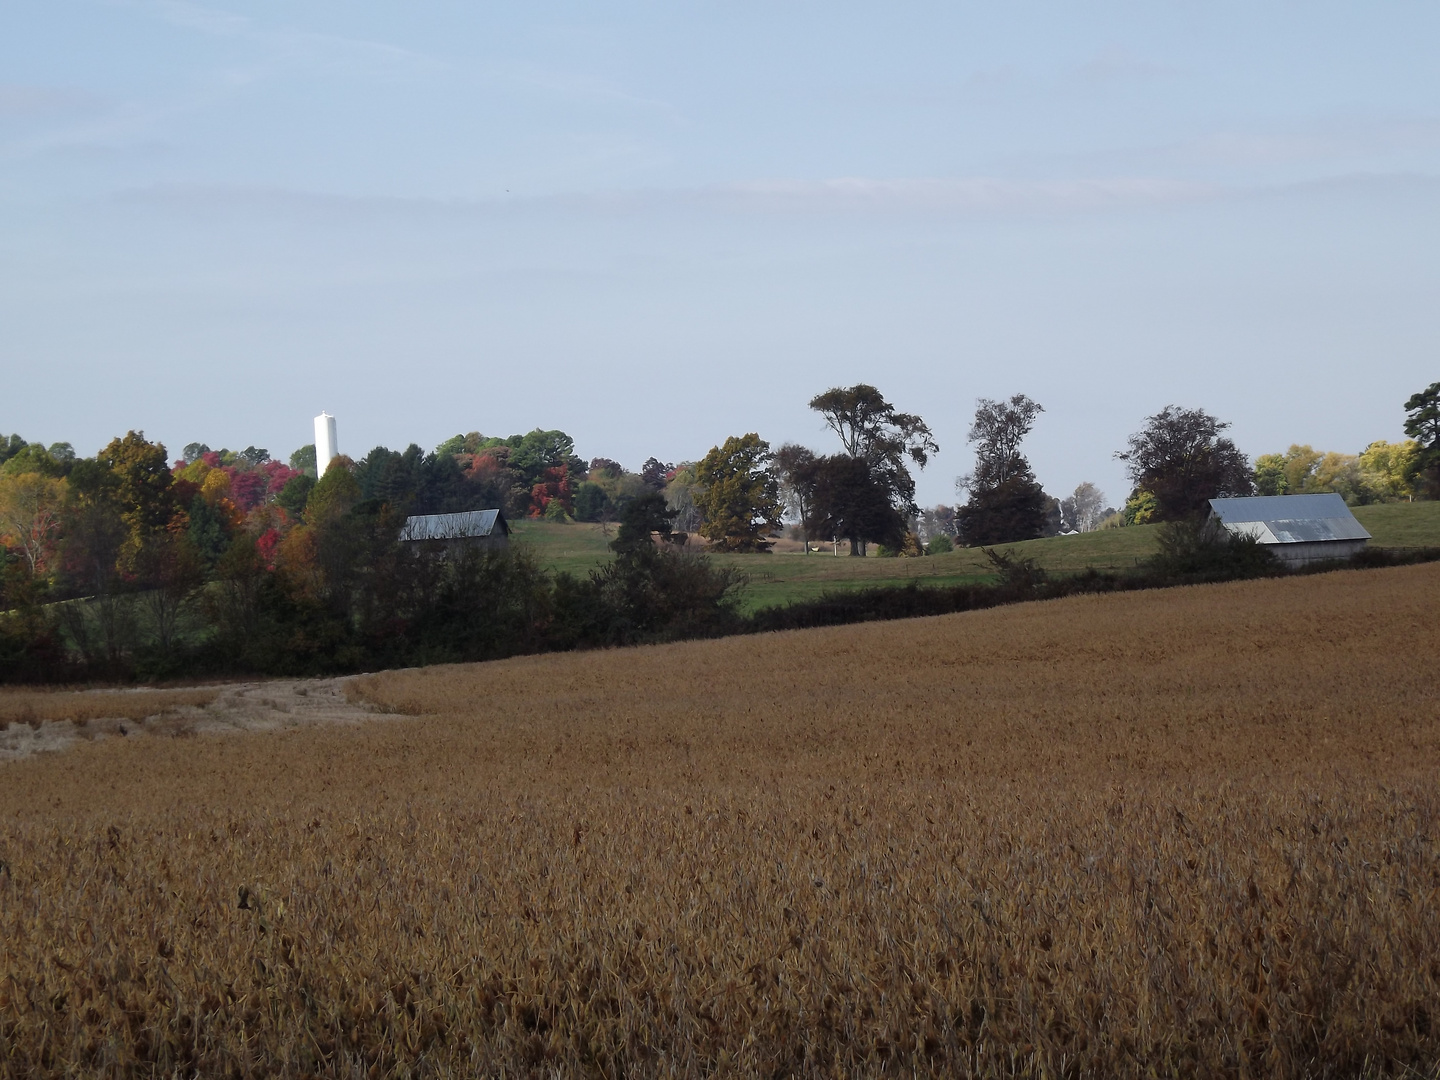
(1191, 832)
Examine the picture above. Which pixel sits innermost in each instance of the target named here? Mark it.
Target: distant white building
(326, 448)
(1298, 529)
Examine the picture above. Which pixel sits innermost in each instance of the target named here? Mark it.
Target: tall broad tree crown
(872, 430)
(998, 430)
(1181, 457)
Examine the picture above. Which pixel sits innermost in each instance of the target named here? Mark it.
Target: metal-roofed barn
(473, 528)
(1297, 529)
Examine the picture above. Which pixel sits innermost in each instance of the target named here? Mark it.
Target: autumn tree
(30, 512)
(873, 431)
(142, 489)
(739, 499)
(1181, 459)
(1381, 472)
(1390, 468)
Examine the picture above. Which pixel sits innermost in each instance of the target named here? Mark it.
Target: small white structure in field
(1297, 529)
(326, 448)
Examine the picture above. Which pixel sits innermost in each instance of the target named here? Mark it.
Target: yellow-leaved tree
(1391, 467)
(30, 504)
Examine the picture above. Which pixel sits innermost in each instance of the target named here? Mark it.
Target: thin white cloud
(967, 194)
(980, 196)
(130, 126)
(844, 195)
(319, 51)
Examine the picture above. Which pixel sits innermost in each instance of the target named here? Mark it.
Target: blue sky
(658, 225)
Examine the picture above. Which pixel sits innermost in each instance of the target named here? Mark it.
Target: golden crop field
(1190, 832)
(34, 707)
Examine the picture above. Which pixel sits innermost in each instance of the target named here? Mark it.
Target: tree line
(128, 564)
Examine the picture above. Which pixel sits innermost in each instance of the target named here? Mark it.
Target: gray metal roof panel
(1307, 530)
(1293, 519)
(1280, 507)
(450, 526)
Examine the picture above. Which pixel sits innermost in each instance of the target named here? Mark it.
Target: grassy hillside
(782, 577)
(1178, 833)
(1402, 525)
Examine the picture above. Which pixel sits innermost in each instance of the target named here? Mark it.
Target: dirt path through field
(238, 707)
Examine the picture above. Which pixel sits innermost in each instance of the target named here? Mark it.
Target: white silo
(326, 448)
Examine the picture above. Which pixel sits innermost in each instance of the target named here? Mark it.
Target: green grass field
(783, 577)
(1402, 525)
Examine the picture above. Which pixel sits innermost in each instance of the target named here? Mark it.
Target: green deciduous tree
(295, 494)
(1270, 475)
(872, 430)
(1139, 509)
(642, 518)
(34, 458)
(334, 493)
(303, 460)
(170, 572)
(740, 498)
(1006, 503)
(10, 445)
(1014, 509)
(1182, 459)
(847, 502)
